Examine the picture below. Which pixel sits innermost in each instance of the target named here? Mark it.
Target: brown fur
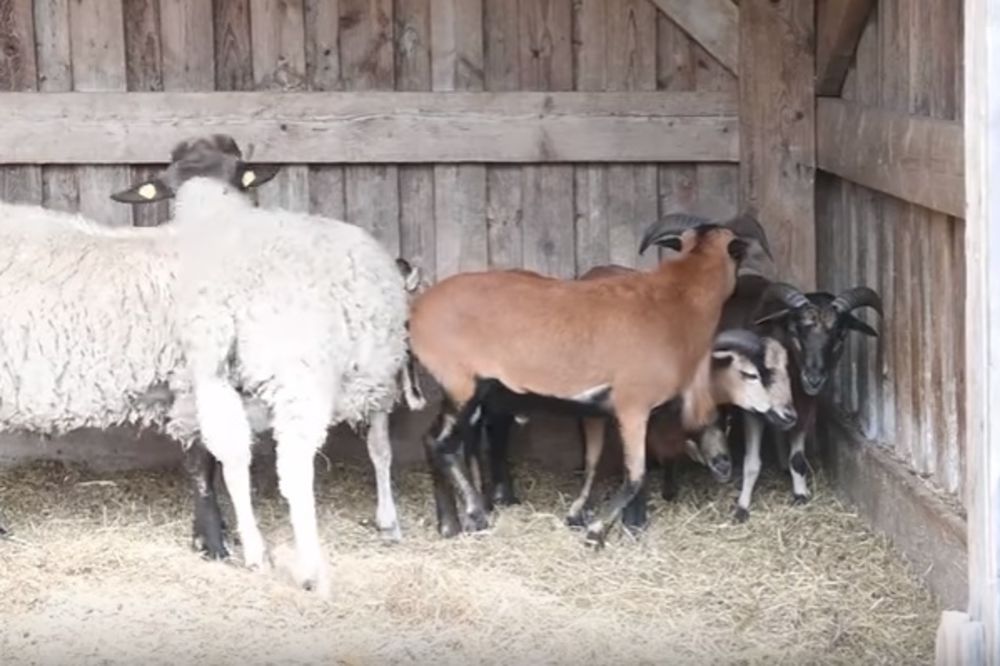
(645, 333)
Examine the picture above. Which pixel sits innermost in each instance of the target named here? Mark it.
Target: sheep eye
(748, 375)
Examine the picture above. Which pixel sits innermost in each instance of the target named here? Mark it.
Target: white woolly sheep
(306, 314)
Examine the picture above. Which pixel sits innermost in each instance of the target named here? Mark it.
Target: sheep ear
(253, 175)
(856, 324)
(722, 358)
(145, 192)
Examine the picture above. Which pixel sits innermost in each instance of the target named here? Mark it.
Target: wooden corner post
(778, 129)
(974, 637)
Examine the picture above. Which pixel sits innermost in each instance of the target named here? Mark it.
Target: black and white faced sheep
(304, 314)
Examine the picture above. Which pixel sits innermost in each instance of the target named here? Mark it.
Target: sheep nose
(721, 467)
(783, 419)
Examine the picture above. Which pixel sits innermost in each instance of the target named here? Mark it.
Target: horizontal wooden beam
(839, 24)
(914, 158)
(712, 23)
(374, 127)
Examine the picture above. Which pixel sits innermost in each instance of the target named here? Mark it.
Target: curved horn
(746, 226)
(668, 227)
(741, 340)
(858, 297)
(785, 293)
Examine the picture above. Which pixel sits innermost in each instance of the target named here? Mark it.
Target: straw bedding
(102, 573)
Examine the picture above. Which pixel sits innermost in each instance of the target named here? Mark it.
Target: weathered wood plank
(377, 127)
(457, 63)
(322, 47)
(18, 72)
(504, 214)
(914, 158)
(144, 72)
(97, 41)
(371, 192)
(233, 62)
(982, 319)
(546, 64)
(416, 183)
(777, 129)
(591, 185)
(632, 189)
(839, 24)
(52, 49)
(676, 70)
(279, 63)
(718, 184)
(188, 47)
(712, 23)
(322, 24)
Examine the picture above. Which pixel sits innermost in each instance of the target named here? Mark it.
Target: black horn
(858, 297)
(668, 228)
(786, 294)
(740, 340)
(746, 226)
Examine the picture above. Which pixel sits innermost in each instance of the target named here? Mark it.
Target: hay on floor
(102, 573)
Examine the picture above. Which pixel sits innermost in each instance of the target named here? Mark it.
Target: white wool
(87, 315)
(291, 298)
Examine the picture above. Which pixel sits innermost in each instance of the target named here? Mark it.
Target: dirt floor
(101, 573)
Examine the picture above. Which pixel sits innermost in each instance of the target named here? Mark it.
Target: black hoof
(505, 497)
(635, 528)
(800, 500)
(594, 539)
(449, 529)
(581, 519)
(741, 515)
(475, 521)
(211, 544)
(669, 494)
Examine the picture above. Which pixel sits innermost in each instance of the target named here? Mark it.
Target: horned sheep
(620, 346)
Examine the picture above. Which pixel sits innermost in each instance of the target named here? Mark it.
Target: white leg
(226, 433)
(299, 435)
(798, 467)
(753, 428)
(380, 452)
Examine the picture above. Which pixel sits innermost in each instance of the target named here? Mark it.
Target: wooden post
(777, 129)
(974, 637)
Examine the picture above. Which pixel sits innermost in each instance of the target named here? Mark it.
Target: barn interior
(545, 135)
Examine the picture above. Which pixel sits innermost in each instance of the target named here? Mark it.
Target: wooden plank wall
(558, 219)
(906, 389)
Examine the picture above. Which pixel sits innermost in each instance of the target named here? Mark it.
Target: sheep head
(751, 372)
(817, 325)
(216, 156)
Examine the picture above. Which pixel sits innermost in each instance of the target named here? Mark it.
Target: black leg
(635, 517)
(443, 451)
(444, 500)
(498, 439)
(669, 488)
(209, 531)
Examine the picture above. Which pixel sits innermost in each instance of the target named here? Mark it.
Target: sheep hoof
(741, 515)
(392, 533)
(210, 549)
(595, 536)
(504, 496)
(449, 528)
(475, 521)
(580, 519)
(799, 500)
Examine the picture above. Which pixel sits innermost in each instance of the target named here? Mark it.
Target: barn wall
(557, 218)
(905, 391)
